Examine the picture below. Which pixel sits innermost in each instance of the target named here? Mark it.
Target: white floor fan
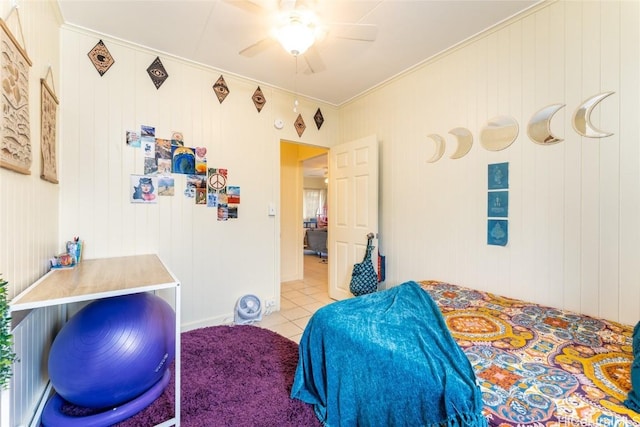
(301, 19)
(248, 310)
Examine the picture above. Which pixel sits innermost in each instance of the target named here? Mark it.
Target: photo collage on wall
(498, 204)
(165, 157)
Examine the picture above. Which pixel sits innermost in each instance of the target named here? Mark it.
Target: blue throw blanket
(386, 359)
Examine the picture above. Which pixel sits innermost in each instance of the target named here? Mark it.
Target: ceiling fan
(297, 26)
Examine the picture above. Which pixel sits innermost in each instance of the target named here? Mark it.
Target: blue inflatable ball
(113, 350)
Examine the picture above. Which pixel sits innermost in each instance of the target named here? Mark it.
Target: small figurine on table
(74, 248)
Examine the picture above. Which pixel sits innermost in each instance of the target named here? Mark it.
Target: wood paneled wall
(29, 209)
(217, 262)
(574, 214)
(28, 204)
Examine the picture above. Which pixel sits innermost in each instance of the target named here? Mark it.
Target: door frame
(293, 251)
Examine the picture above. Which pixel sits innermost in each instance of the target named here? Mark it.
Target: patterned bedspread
(539, 366)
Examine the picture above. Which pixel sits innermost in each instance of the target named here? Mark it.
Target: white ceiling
(212, 32)
(316, 167)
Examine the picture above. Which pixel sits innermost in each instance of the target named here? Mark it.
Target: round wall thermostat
(278, 124)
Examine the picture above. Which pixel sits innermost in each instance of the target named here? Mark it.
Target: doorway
(315, 177)
(300, 165)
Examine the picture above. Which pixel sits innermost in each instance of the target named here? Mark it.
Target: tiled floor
(299, 300)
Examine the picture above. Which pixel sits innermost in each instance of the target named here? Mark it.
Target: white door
(353, 209)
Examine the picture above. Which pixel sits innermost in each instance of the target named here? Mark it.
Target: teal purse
(364, 279)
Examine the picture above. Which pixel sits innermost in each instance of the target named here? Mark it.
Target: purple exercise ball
(113, 350)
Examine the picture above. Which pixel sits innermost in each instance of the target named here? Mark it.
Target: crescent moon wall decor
(440, 147)
(539, 128)
(499, 133)
(582, 117)
(465, 141)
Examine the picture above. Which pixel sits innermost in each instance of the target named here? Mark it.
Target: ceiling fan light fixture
(296, 34)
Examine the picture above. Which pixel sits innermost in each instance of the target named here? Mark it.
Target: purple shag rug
(231, 376)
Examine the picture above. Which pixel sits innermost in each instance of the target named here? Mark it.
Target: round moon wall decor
(499, 133)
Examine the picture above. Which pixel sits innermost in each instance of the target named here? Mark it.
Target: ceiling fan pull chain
(295, 87)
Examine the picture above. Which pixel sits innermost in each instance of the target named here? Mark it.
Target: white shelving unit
(103, 278)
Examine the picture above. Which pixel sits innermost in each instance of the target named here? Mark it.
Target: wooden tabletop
(96, 278)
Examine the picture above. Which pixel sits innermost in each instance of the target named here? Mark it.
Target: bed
(535, 366)
(386, 359)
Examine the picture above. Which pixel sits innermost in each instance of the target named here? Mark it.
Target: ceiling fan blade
(257, 47)
(314, 61)
(362, 32)
(288, 5)
(247, 5)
